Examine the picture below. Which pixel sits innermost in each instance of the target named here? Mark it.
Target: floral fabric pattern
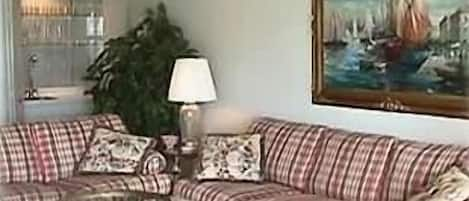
(113, 152)
(153, 163)
(231, 157)
(450, 186)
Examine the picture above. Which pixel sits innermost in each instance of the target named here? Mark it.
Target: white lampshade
(192, 82)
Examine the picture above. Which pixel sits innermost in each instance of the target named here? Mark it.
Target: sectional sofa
(302, 162)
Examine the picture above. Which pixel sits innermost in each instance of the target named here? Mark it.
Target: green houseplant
(132, 74)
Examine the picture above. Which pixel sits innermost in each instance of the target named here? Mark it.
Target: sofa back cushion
(351, 166)
(289, 150)
(61, 144)
(17, 155)
(414, 165)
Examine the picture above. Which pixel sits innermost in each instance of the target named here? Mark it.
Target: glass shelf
(63, 30)
(61, 8)
(38, 16)
(65, 38)
(96, 42)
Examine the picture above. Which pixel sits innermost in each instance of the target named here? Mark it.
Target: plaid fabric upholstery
(141, 183)
(58, 190)
(229, 191)
(414, 164)
(32, 192)
(17, 155)
(153, 163)
(61, 144)
(110, 120)
(351, 166)
(289, 150)
(300, 197)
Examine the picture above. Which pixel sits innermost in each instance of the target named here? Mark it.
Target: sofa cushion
(62, 143)
(351, 166)
(141, 183)
(32, 192)
(415, 164)
(229, 191)
(55, 191)
(18, 155)
(289, 150)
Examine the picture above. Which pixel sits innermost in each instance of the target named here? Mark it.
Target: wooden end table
(183, 162)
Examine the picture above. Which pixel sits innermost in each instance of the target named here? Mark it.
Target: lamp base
(190, 121)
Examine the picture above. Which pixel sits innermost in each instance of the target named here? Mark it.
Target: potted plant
(131, 75)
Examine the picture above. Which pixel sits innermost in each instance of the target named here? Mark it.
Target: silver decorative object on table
(31, 91)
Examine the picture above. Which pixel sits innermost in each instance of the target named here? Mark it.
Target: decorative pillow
(153, 163)
(113, 152)
(231, 157)
(450, 186)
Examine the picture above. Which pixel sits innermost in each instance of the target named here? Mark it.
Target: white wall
(137, 8)
(116, 15)
(260, 51)
(3, 66)
(6, 62)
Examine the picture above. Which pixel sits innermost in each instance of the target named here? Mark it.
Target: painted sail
(368, 26)
(396, 16)
(416, 25)
(334, 26)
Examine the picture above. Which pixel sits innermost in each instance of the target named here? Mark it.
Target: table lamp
(191, 83)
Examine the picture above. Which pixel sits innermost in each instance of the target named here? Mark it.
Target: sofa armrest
(153, 163)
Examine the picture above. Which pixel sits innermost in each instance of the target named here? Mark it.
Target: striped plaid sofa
(37, 162)
(304, 162)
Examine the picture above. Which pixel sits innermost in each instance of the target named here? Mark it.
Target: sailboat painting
(371, 53)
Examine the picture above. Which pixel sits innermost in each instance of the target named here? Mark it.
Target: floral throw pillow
(113, 152)
(231, 157)
(450, 186)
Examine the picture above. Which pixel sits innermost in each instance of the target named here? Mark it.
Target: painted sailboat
(410, 21)
(368, 28)
(416, 25)
(354, 50)
(411, 25)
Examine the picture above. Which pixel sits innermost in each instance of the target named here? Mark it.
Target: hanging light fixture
(46, 7)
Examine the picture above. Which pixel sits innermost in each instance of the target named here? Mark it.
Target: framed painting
(396, 55)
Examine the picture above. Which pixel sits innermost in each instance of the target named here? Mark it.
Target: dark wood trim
(449, 106)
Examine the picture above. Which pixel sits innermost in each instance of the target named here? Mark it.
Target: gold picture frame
(399, 88)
